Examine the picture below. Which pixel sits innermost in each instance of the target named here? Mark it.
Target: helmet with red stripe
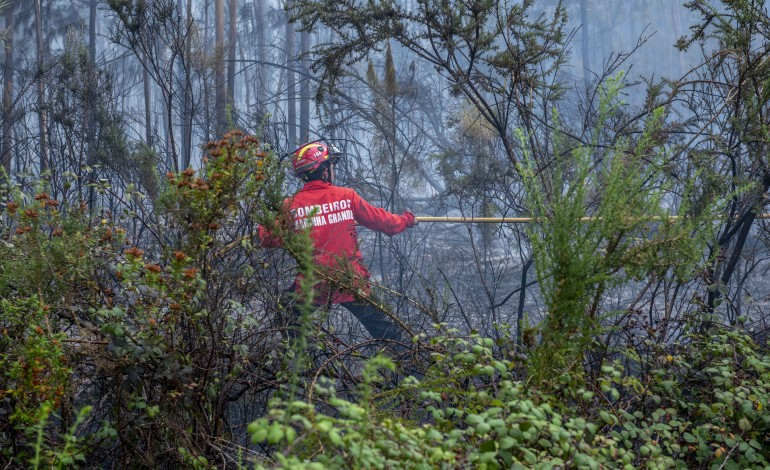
(309, 157)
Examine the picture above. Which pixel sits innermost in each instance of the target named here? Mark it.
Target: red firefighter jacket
(331, 212)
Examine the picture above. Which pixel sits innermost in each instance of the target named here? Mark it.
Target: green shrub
(146, 336)
(702, 407)
(604, 219)
(137, 316)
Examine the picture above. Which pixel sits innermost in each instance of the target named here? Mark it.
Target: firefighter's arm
(378, 219)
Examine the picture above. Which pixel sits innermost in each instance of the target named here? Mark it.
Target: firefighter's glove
(409, 219)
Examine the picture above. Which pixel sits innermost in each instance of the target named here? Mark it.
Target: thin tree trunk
(167, 64)
(90, 104)
(261, 89)
(181, 87)
(253, 80)
(206, 88)
(92, 30)
(187, 112)
(147, 107)
(220, 83)
(8, 71)
(247, 81)
(522, 298)
(585, 42)
(231, 45)
(41, 102)
(291, 92)
(304, 90)
(90, 100)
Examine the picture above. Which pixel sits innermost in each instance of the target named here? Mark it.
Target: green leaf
(744, 424)
(473, 419)
(290, 434)
(483, 428)
(487, 446)
(506, 442)
(259, 436)
(529, 457)
(275, 434)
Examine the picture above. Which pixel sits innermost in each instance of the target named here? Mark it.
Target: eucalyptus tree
(8, 78)
(41, 85)
(291, 84)
(729, 105)
(186, 146)
(168, 46)
(491, 52)
(28, 86)
(232, 40)
(220, 90)
(304, 88)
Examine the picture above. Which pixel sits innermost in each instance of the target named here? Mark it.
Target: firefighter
(330, 213)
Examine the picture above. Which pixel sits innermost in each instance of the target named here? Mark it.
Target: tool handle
(524, 220)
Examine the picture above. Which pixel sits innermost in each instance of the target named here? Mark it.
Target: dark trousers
(377, 323)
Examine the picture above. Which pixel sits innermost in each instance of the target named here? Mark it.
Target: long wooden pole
(480, 220)
(476, 220)
(526, 220)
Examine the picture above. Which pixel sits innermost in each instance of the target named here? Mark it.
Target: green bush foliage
(700, 405)
(144, 348)
(145, 327)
